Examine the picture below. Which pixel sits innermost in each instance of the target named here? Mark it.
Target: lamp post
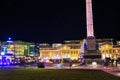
(116, 60)
(116, 54)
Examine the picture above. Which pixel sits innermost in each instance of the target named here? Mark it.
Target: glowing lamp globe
(94, 63)
(2, 53)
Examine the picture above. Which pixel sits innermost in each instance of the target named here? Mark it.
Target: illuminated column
(90, 47)
(4, 49)
(89, 18)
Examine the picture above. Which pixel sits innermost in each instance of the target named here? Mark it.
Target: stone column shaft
(89, 18)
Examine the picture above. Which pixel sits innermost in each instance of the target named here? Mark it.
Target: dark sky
(57, 20)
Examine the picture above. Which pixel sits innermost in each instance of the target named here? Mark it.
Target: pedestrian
(116, 62)
(70, 64)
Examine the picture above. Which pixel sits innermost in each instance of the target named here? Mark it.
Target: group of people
(110, 62)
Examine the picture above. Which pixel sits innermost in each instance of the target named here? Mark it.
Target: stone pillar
(91, 52)
(89, 18)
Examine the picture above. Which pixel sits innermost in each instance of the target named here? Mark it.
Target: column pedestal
(92, 53)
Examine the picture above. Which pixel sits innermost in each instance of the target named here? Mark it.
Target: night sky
(57, 20)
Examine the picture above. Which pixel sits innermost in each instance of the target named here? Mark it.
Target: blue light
(4, 48)
(2, 53)
(9, 38)
(9, 41)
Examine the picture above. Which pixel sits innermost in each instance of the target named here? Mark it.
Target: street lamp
(116, 54)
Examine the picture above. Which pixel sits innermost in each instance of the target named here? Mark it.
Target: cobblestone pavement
(111, 70)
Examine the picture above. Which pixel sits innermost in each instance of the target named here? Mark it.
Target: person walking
(70, 64)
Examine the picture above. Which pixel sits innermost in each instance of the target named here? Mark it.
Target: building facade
(69, 49)
(72, 49)
(20, 48)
